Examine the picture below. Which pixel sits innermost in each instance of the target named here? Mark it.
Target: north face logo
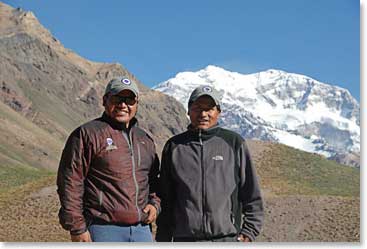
(217, 158)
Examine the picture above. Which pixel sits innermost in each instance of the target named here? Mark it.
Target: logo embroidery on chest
(110, 145)
(217, 158)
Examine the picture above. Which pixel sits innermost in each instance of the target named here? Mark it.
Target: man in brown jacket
(108, 172)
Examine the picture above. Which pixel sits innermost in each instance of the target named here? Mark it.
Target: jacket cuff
(247, 234)
(157, 207)
(78, 232)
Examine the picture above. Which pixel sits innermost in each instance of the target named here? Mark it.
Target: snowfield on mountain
(277, 106)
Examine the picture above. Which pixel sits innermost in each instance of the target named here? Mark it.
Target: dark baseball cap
(118, 84)
(205, 90)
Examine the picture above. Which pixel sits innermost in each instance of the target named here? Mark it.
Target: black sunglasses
(129, 100)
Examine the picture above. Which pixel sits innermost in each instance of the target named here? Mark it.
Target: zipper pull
(201, 141)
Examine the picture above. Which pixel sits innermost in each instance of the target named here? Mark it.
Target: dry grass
(312, 219)
(29, 213)
(31, 210)
(287, 171)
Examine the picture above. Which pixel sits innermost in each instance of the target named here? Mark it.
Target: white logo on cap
(126, 81)
(207, 89)
(109, 141)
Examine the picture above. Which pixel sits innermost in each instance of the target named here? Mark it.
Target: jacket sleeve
(73, 167)
(153, 184)
(166, 193)
(250, 196)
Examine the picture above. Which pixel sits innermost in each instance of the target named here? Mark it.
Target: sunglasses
(129, 100)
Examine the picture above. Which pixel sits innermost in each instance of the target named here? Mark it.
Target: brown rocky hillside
(57, 90)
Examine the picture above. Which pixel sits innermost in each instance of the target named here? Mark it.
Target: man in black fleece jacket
(208, 185)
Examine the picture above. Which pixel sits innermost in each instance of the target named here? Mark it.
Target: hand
(152, 213)
(84, 237)
(243, 238)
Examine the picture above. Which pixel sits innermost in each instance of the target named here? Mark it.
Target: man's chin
(122, 119)
(203, 127)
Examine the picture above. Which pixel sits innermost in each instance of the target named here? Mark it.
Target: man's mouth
(121, 112)
(203, 121)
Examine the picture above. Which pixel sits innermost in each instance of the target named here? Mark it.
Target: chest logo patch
(218, 158)
(110, 145)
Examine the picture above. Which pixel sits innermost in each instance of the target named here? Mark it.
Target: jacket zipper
(100, 198)
(131, 149)
(202, 181)
(139, 156)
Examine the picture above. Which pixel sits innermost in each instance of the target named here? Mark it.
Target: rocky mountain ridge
(58, 90)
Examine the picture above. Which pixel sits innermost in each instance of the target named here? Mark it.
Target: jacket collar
(118, 125)
(205, 134)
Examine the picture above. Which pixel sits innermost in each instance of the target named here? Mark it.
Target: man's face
(204, 113)
(121, 107)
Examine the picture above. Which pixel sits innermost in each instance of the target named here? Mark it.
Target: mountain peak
(56, 89)
(274, 71)
(18, 21)
(213, 68)
(275, 105)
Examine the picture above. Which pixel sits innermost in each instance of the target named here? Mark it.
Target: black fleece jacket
(208, 187)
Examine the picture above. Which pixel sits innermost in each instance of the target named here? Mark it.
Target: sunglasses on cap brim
(129, 100)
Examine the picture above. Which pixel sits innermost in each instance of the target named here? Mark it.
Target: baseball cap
(205, 90)
(118, 84)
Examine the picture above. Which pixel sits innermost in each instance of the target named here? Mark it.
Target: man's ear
(104, 100)
(188, 110)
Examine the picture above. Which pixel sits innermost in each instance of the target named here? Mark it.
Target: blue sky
(157, 39)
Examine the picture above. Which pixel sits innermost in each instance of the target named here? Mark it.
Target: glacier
(278, 106)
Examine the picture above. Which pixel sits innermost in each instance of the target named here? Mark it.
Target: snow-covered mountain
(274, 105)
